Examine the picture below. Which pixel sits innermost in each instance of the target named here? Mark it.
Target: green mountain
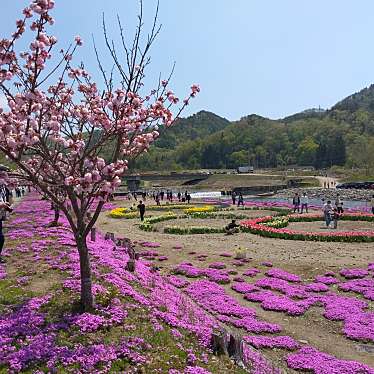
(343, 135)
(199, 125)
(362, 100)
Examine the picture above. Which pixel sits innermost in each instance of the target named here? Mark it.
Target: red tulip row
(257, 226)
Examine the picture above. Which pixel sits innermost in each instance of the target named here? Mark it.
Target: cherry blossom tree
(58, 121)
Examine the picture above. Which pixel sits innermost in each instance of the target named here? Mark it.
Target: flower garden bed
(141, 322)
(277, 228)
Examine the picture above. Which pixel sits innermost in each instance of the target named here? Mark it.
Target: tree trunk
(85, 272)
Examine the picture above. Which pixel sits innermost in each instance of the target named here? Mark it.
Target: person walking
(141, 208)
(327, 211)
(296, 203)
(188, 198)
(372, 204)
(179, 196)
(339, 204)
(304, 202)
(240, 199)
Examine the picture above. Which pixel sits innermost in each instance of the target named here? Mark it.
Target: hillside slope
(341, 136)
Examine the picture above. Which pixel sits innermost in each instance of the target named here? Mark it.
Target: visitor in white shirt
(304, 202)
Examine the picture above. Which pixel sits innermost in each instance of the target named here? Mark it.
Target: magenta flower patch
(281, 342)
(310, 359)
(353, 273)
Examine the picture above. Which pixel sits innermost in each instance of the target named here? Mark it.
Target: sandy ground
(306, 259)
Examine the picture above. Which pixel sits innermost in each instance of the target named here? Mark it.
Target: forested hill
(363, 100)
(340, 136)
(199, 125)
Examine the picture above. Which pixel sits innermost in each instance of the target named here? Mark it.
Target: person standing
(4, 208)
(304, 202)
(179, 196)
(339, 204)
(141, 208)
(188, 198)
(372, 204)
(327, 210)
(296, 203)
(233, 196)
(335, 217)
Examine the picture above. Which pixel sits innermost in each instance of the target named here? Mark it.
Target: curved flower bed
(178, 230)
(263, 226)
(123, 213)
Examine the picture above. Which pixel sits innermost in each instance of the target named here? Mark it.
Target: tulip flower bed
(123, 213)
(201, 209)
(271, 227)
(178, 230)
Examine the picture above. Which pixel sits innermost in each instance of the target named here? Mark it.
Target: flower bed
(123, 213)
(201, 209)
(178, 230)
(264, 226)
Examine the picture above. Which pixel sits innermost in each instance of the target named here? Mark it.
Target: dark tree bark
(85, 273)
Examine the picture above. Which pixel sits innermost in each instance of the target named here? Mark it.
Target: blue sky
(269, 57)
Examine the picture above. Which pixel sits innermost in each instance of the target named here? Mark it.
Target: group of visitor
(300, 200)
(240, 198)
(160, 196)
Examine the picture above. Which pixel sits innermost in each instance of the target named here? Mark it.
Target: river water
(275, 201)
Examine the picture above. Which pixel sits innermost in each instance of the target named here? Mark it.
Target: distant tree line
(334, 138)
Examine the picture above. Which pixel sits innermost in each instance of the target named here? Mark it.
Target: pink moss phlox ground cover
(267, 264)
(326, 279)
(225, 254)
(190, 370)
(291, 290)
(258, 363)
(353, 273)
(242, 287)
(26, 336)
(310, 359)
(281, 303)
(365, 287)
(178, 281)
(217, 265)
(281, 274)
(215, 275)
(39, 341)
(213, 298)
(316, 287)
(281, 342)
(251, 272)
(2, 272)
(358, 324)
